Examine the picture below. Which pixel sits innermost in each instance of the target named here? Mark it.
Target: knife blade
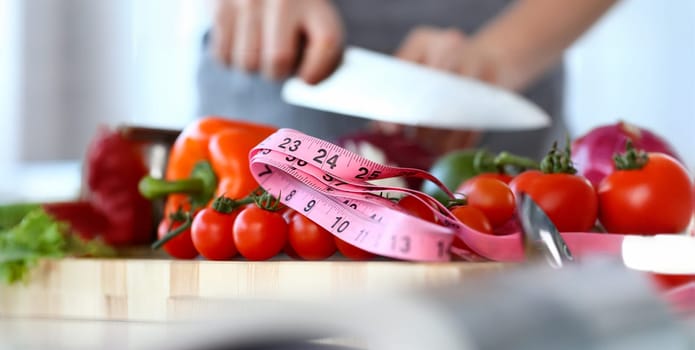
(663, 253)
(381, 87)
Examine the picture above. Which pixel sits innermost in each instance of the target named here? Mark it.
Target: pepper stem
(152, 188)
(632, 159)
(201, 185)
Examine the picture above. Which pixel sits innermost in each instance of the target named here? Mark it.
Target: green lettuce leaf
(36, 236)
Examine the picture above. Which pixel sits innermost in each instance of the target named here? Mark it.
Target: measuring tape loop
(427, 241)
(331, 186)
(295, 161)
(339, 161)
(363, 202)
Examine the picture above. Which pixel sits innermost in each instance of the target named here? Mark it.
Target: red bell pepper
(110, 206)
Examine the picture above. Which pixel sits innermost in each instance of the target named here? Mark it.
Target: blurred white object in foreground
(590, 306)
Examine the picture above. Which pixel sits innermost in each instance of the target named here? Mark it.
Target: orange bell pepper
(209, 158)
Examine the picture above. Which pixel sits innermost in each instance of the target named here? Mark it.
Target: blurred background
(67, 66)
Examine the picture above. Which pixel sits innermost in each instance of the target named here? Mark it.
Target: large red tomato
(657, 198)
(569, 200)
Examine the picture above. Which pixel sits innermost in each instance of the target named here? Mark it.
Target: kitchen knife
(381, 87)
(665, 253)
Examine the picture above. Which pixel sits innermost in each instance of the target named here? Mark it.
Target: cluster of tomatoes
(646, 194)
(257, 231)
(651, 194)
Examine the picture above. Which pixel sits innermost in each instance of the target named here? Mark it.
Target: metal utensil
(541, 237)
(380, 87)
(665, 253)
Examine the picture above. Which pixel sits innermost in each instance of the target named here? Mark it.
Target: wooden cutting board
(163, 289)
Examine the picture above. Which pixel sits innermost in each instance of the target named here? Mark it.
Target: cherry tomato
(498, 176)
(473, 218)
(309, 240)
(654, 199)
(569, 200)
(352, 252)
(181, 246)
(212, 233)
(417, 208)
(259, 234)
(493, 197)
(290, 251)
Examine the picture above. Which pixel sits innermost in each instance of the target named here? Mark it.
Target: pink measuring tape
(330, 185)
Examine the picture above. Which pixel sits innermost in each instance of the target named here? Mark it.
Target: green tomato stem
(226, 205)
(171, 234)
(632, 159)
(455, 202)
(558, 162)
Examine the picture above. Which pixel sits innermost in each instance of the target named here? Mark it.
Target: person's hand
(278, 37)
(448, 50)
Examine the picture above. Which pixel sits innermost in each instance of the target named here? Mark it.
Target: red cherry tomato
(181, 246)
(309, 240)
(212, 233)
(259, 234)
(569, 200)
(352, 252)
(417, 208)
(473, 218)
(654, 199)
(493, 197)
(290, 251)
(498, 176)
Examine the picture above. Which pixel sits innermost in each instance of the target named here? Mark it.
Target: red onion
(592, 153)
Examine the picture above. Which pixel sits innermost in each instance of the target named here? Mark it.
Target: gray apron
(379, 26)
